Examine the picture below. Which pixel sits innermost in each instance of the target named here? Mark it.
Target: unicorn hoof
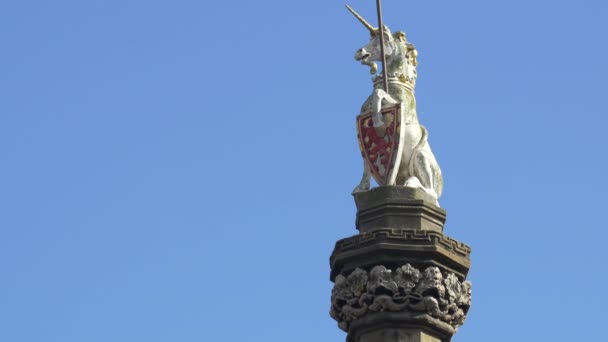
(413, 182)
(360, 188)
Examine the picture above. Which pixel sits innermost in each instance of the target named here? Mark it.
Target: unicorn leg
(365, 180)
(380, 95)
(425, 171)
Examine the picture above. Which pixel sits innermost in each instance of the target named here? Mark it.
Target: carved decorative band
(419, 237)
(440, 295)
(395, 79)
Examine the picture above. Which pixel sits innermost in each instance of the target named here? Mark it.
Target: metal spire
(381, 32)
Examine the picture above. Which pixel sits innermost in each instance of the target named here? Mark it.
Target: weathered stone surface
(397, 207)
(406, 324)
(396, 335)
(390, 193)
(400, 279)
(405, 289)
(395, 247)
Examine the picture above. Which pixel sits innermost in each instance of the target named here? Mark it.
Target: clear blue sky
(180, 170)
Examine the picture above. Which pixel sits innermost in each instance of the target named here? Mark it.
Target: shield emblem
(381, 142)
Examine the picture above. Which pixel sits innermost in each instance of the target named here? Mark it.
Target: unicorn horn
(371, 29)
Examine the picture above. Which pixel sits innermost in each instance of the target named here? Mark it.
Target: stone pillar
(400, 279)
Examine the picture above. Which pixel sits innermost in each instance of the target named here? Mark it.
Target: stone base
(399, 225)
(397, 207)
(400, 229)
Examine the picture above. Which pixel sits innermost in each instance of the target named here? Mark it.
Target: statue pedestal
(400, 279)
(397, 207)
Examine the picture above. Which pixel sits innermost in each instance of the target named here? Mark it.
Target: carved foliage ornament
(440, 295)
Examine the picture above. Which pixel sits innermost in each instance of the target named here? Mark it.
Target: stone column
(400, 279)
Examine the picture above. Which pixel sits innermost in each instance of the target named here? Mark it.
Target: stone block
(397, 335)
(400, 327)
(397, 207)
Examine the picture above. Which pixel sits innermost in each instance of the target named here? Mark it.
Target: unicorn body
(418, 167)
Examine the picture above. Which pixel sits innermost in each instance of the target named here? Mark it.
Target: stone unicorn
(418, 167)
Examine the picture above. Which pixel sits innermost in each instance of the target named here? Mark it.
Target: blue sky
(180, 170)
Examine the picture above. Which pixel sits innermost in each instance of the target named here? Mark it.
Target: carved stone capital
(394, 247)
(439, 295)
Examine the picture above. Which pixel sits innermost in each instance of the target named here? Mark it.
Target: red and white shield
(382, 146)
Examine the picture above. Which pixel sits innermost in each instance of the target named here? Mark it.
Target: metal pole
(381, 32)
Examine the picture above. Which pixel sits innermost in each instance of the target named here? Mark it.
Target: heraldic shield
(381, 146)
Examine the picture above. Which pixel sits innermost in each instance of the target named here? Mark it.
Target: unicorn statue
(393, 143)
